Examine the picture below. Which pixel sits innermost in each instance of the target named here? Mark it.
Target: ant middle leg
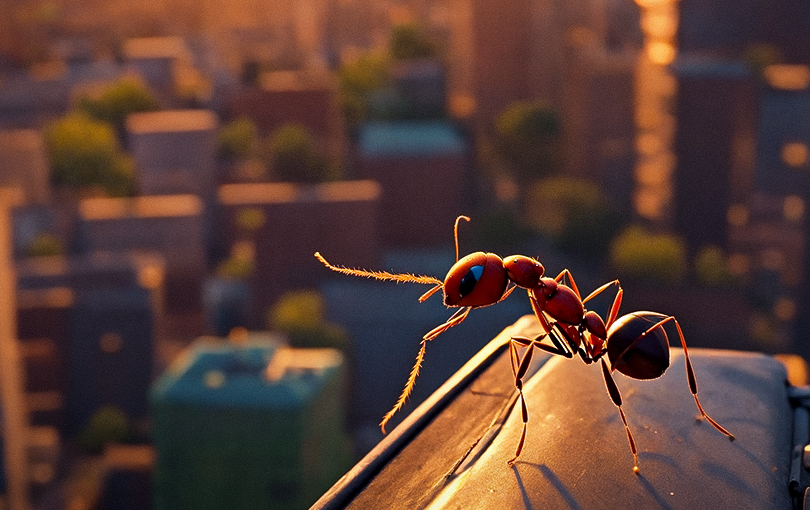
(616, 396)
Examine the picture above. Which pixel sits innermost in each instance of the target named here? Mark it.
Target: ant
(636, 344)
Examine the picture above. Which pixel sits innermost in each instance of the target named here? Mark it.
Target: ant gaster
(636, 344)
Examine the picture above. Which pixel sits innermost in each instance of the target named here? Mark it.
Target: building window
(794, 154)
(111, 343)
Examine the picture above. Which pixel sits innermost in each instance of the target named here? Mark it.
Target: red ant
(636, 344)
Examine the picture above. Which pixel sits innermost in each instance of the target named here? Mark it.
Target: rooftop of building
(171, 121)
(411, 138)
(258, 371)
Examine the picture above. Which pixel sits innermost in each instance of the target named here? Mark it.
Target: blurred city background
(169, 167)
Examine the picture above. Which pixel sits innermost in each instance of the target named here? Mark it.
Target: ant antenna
(384, 275)
(455, 231)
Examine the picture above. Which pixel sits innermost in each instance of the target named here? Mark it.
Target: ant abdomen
(636, 350)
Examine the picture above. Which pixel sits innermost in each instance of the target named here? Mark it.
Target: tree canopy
(527, 136)
(115, 101)
(85, 153)
(409, 41)
(237, 138)
(294, 156)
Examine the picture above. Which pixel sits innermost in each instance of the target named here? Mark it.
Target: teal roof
(221, 374)
(426, 138)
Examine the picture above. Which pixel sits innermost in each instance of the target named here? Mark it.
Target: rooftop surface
(430, 138)
(259, 373)
(171, 121)
(156, 206)
(452, 451)
(282, 192)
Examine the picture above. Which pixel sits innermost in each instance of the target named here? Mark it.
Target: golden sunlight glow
(648, 143)
(660, 25)
(650, 203)
(661, 53)
(646, 4)
(654, 173)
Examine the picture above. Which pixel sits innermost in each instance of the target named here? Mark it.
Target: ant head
(524, 271)
(479, 279)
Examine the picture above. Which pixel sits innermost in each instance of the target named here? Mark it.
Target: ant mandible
(636, 344)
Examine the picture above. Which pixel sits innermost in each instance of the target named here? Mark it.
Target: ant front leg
(616, 396)
(456, 319)
(617, 301)
(520, 366)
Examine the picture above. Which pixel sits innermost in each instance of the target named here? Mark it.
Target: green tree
(711, 268)
(409, 42)
(294, 156)
(358, 81)
(527, 137)
(300, 314)
(44, 244)
(85, 153)
(574, 213)
(237, 138)
(108, 425)
(115, 101)
(646, 257)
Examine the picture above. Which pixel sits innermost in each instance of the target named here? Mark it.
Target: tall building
(249, 424)
(716, 115)
(423, 168)
(174, 152)
(14, 419)
(502, 51)
(285, 224)
(23, 164)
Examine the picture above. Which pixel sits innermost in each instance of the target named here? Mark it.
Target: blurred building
(524, 49)
(249, 424)
(23, 164)
(424, 170)
(155, 59)
(92, 323)
(716, 109)
(170, 225)
(112, 354)
(174, 152)
(43, 330)
(14, 423)
(421, 86)
(599, 123)
(308, 99)
(501, 33)
(718, 27)
(285, 224)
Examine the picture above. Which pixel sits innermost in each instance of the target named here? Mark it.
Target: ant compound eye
(470, 279)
